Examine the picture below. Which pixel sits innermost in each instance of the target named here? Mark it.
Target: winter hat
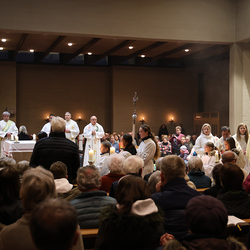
(184, 148)
(206, 215)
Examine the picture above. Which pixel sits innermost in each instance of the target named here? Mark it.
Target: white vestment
(12, 129)
(46, 128)
(74, 130)
(93, 141)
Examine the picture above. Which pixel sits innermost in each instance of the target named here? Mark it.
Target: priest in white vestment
(7, 128)
(47, 127)
(93, 132)
(71, 129)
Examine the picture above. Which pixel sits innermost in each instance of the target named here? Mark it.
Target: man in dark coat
(56, 148)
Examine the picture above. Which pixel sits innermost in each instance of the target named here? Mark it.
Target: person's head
(165, 139)
(209, 146)
(115, 163)
(242, 130)
(93, 120)
(9, 186)
(59, 170)
(88, 178)
(206, 129)
(105, 147)
(6, 162)
(225, 132)
(229, 143)
(38, 185)
(178, 130)
(116, 137)
(6, 116)
(163, 126)
(195, 164)
(51, 117)
(216, 174)
(130, 189)
(67, 116)
(112, 139)
(228, 156)
(206, 215)
(41, 135)
(58, 124)
(231, 177)
(133, 165)
(127, 140)
(158, 163)
(23, 129)
(172, 167)
(188, 138)
(145, 131)
(183, 149)
(53, 225)
(183, 140)
(22, 166)
(194, 137)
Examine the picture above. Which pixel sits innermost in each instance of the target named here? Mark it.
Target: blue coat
(199, 179)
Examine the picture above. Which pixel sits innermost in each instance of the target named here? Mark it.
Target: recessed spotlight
(186, 50)
(31, 50)
(1, 48)
(3, 40)
(89, 53)
(142, 56)
(70, 44)
(130, 47)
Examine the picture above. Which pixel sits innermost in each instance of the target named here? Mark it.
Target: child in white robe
(102, 164)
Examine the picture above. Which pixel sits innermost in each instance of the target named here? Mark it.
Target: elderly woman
(23, 134)
(135, 222)
(115, 164)
(91, 200)
(205, 136)
(196, 175)
(148, 149)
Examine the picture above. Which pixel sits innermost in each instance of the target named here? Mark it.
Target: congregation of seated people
(137, 199)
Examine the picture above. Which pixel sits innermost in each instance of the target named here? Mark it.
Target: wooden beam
(142, 51)
(83, 49)
(20, 44)
(113, 50)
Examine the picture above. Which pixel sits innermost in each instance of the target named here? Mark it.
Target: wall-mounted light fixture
(172, 120)
(142, 120)
(79, 119)
(47, 119)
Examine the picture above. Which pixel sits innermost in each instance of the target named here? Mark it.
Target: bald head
(93, 120)
(228, 156)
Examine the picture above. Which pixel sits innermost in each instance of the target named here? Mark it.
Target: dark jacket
(213, 191)
(237, 203)
(23, 136)
(56, 148)
(173, 200)
(133, 232)
(89, 205)
(199, 179)
(132, 150)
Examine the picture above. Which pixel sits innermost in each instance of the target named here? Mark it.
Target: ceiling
(54, 49)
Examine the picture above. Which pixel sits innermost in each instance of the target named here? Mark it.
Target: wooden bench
(201, 190)
(89, 237)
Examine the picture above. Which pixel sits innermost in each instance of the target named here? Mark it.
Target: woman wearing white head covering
(205, 136)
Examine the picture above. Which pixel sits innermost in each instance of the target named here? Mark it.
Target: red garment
(246, 184)
(107, 180)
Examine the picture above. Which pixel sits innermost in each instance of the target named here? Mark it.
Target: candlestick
(16, 138)
(34, 137)
(12, 137)
(216, 156)
(112, 150)
(91, 155)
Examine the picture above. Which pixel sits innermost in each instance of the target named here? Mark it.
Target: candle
(34, 137)
(91, 155)
(16, 138)
(12, 137)
(112, 150)
(216, 156)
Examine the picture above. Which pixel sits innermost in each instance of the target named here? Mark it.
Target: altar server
(47, 127)
(71, 129)
(7, 128)
(93, 132)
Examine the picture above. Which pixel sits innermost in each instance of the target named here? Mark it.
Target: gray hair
(172, 167)
(195, 164)
(23, 129)
(88, 177)
(132, 165)
(115, 163)
(6, 113)
(22, 166)
(6, 162)
(68, 113)
(158, 163)
(58, 124)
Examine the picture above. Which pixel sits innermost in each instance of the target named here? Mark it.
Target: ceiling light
(142, 56)
(1, 48)
(130, 47)
(186, 50)
(70, 44)
(3, 40)
(89, 53)
(31, 50)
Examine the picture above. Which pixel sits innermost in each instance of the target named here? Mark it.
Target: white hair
(6, 113)
(23, 129)
(133, 164)
(195, 164)
(68, 113)
(115, 163)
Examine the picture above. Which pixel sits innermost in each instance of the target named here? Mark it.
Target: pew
(89, 238)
